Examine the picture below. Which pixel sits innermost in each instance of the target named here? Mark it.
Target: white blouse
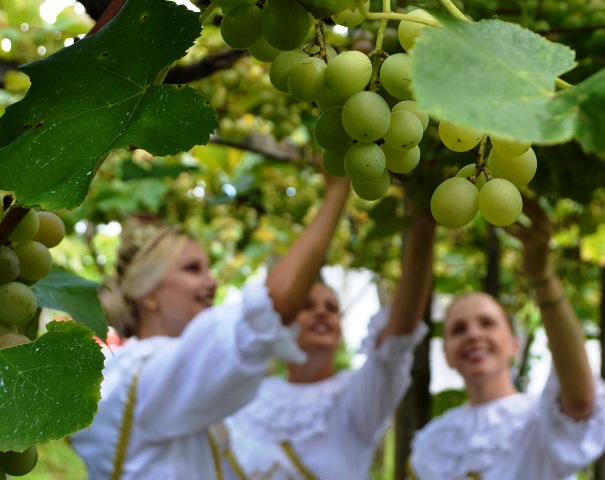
(185, 385)
(511, 438)
(333, 425)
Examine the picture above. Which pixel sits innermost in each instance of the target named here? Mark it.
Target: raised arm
(414, 286)
(562, 327)
(291, 278)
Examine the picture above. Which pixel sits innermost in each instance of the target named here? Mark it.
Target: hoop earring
(151, 303)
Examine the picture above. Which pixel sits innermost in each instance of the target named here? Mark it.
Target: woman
(503, 434)
(188, 363)
(322, 424)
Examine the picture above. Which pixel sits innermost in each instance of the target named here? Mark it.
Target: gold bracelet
(542, 282)
(552, 303)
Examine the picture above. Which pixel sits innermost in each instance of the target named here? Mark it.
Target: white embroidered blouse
(333, 425)
(512, 438)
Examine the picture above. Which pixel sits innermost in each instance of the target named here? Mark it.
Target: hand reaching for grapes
(535, 237)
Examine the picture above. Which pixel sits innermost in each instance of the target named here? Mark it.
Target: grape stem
(388, 15)
(206, 13)
(481, 164)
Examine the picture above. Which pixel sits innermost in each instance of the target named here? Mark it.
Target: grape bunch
(490, 186)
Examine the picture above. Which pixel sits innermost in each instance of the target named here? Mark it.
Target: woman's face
(187, 288)
(319, 320)
(478, 340)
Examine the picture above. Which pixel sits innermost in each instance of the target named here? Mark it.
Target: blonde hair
(147, 250)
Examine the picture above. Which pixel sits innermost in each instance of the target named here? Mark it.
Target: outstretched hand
(535, 238)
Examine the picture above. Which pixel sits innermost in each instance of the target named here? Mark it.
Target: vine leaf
(64, 291)
(325, 8)
(42, 381)
(101, 94)
(498, 77)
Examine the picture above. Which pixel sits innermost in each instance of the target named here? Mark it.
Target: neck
(485, 390)
(318, 367)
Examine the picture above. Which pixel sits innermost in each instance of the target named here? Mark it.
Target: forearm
(566, 340)
(414, 287)
(291, 278)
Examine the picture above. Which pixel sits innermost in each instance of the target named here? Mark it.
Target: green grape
(326, 99)
(374, 189)
(500, 202)
(329, 132)
(12, 340)
(315, 51)
(412, 106)
(230, 3)
(395, 75)
(458, 138)
(348, 73)
(262, 51)
(508, 146)
(517, 170)
(306, 79)
(51, 230)
(364, 162)
(36, 260)
(241, 26)
(350, 17)
(286, 24)
(282, 65)
(455, 202)
(334, 162)
(18, 303)
(2, 474)
(470, 170)
(405, 130)
(400, 161)
(366, 116)
(26, 229)
(408, 31)
(19, 463)
(9, 265)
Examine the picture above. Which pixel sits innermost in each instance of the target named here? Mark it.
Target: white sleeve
(572, 444)
(213, 368)
(377, 387)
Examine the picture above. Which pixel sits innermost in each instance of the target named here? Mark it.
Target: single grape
(374, 189)
(282, 65)
(262, 51)
(36, 260)
(306, 79)
(19, 463)
(412, 106)
(334, 162)
(329, 132)
(455, 202)
(517, 170)
(12, 340)
(364, 162)
(500, 202)
(400, 161)
(26, 229)
(51, 230)
(241, 26)
(405, 130)
(9, 265)
(470, 170)
(366, 116)
(458, 138)
(2, 473)
(348, 73)
(395, 75)
(18, 303)
(326, 99)
(408, 31)
(350, 17)
(286, 24)
(508, 146)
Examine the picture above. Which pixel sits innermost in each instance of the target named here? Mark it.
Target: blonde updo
(148, 247)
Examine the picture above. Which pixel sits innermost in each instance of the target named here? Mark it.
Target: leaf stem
(206, 13)
(453, 10)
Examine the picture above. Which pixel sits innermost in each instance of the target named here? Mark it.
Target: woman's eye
(192, 267)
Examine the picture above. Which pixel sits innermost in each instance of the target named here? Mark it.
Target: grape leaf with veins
(101, 94)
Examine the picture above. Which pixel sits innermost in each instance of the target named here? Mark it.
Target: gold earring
(151, 303)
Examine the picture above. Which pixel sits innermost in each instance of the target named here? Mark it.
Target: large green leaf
(74, 295)
(98, 95)
(499, 78)
(49, 388)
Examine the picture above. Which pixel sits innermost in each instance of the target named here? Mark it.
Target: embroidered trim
(125, 429)
(297, 461)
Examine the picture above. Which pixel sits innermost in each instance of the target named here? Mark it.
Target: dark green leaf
(49, 388)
